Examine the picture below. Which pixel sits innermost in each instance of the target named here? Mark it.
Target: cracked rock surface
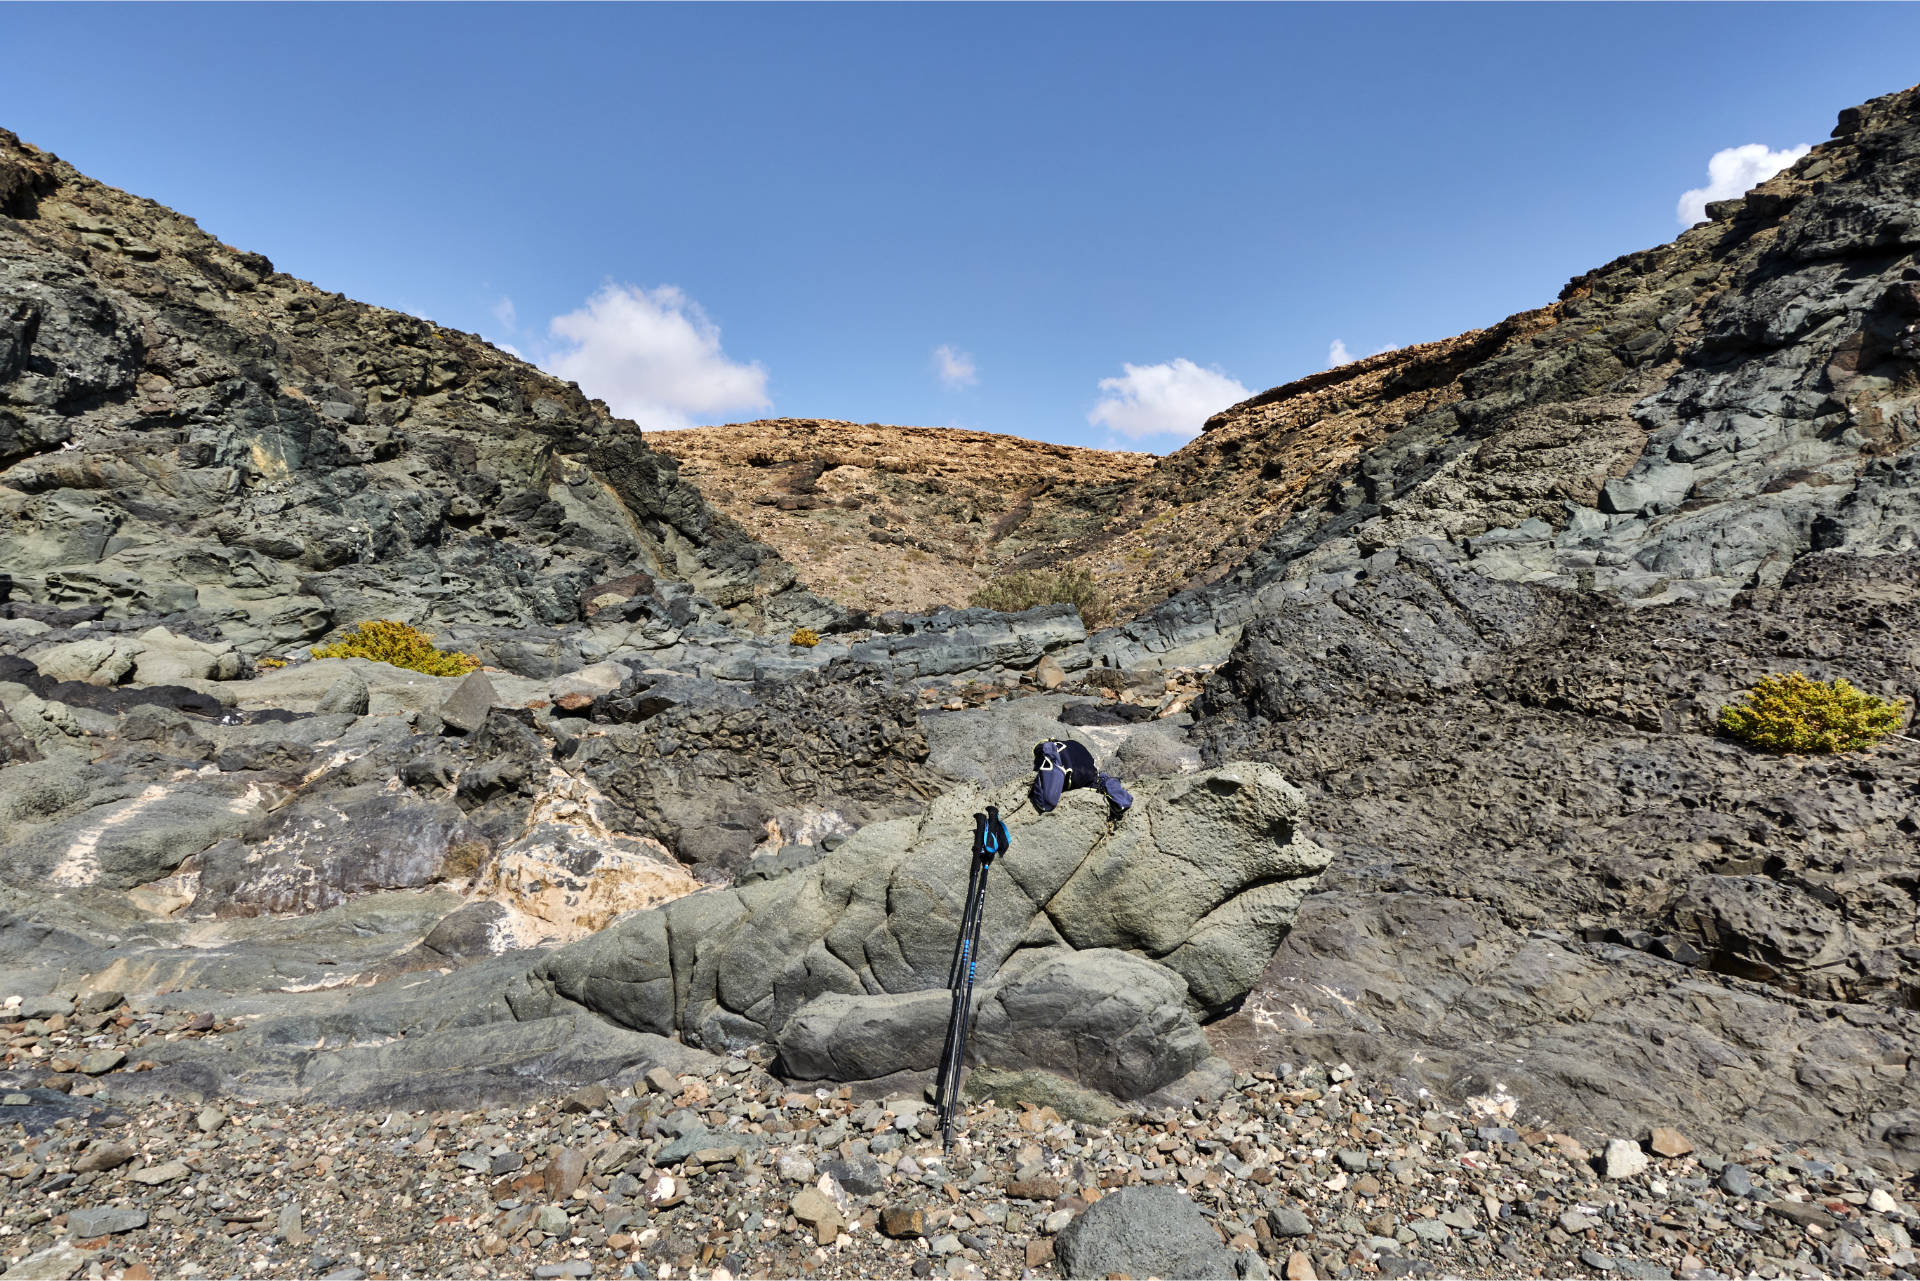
(1104, 940)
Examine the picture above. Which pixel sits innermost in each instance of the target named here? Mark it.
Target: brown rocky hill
(887, 518)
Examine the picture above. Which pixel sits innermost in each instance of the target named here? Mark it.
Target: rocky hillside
(1446, 933)
(891, 518)
(1682, 424)
(186, 432)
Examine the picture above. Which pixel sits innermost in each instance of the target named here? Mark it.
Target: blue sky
(948, 215)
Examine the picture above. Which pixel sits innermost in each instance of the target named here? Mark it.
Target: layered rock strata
(1682, 424)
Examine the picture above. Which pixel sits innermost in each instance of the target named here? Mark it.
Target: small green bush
(1024, 589)
(804, 636)
(386, 641)
(1793, 713)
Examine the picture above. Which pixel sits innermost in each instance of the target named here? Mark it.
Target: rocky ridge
(186, 433)
(1682, 424)
(901, 518)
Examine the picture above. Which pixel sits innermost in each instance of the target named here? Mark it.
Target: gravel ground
(1312, 1174)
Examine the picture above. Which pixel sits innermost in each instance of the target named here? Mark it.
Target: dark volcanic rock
(706, 775)
(1556, 882)
(184, 428)
(1681, 425)
(1143, 1232)
(330, 848)
(1482, 599)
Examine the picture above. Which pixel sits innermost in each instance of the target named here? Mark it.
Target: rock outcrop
(1682, 424)
(186, 433)
(1555, 884)
(1479, 599)
(1103, 943)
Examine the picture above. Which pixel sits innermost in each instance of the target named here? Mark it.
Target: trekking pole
(953, 1051)
(962, 953)
(989, 840)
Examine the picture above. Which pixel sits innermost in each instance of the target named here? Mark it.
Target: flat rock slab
(38, 1109)
(84, 1225)
(55, 1263)
(466, 708)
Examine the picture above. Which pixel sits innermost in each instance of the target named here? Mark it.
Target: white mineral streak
(569, 874)
(801, 827)
(80, 865)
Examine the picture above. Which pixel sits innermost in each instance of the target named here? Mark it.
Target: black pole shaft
(974, 874)
(962, 958)
(953, 986)
(960, 980)
(965, 1014)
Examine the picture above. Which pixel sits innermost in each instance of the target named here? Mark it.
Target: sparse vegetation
(1793, 713)
(1024, 589)
(386, 641)
(804, 636)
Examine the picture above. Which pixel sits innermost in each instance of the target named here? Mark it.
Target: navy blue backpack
(1060, 765)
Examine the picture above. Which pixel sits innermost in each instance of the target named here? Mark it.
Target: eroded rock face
(185, 430)
(1124, 933)
(717, 772)
(1557, 894)
(1682, 424)
(1557, 886)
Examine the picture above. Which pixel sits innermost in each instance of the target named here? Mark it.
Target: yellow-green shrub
(804, 636)
(386, 641)
(1793, 713)
(1024, 589)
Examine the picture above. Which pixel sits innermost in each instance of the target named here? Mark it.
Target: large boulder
(102, 660)
(1143, 1232)
(169, 659)
(1128, 934)
(1120, 1020)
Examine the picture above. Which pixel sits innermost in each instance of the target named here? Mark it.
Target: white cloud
(503, 315)
(1735, 172)
(1337, 354)
(956, 368)
(1173, 398)
(654, 357)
